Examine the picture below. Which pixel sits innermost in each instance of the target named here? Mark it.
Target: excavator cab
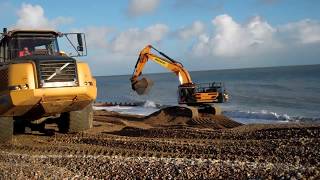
(186, 94)
(214, 92)
(196, 94)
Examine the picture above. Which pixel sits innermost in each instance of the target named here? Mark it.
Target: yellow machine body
(188, 92)
(20, 94)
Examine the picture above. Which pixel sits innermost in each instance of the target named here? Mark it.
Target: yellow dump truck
(38, 81)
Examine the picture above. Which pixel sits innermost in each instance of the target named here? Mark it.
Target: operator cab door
(186, 95)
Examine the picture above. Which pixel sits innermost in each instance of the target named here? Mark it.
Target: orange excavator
(196, 97)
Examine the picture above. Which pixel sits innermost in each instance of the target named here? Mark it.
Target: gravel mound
(181, 116)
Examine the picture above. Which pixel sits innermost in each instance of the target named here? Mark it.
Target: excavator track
(204, 122)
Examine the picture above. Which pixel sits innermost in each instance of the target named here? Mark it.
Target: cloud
(231, 44)
(60, 21)
(255, 43)
(97, 37)
(134, 39)
(32, 17)
(233, 39)
(304, 31)
(115, 52)
(141, 7)
(196, 28)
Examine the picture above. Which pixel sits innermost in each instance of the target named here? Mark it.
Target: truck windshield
(34, 45)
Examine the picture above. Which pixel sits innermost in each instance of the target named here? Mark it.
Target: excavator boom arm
(166, 62)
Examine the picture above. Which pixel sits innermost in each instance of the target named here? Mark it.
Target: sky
(201, 34)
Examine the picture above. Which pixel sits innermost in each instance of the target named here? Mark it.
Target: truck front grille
(58, 73)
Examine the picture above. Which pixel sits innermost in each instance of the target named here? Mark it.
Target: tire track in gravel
(226, 147)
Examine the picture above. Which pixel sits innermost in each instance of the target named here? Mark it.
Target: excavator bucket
(143, 86)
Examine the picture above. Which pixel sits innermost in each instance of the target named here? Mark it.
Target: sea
(257, 95)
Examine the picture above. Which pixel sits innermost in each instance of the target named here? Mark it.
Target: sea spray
(149, 104)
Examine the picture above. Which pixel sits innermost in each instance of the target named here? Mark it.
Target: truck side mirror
(80, 42)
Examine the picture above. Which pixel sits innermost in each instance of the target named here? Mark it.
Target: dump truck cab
(20, 43)
(38, 80)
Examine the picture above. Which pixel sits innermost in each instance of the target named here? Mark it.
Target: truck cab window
(33, 46)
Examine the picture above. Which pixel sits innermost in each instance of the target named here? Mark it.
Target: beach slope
(166, 145)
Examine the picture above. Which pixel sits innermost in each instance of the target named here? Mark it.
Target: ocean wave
(307, 119)
(261, 115)
(267, 116)
(133, 110)
(113, 108)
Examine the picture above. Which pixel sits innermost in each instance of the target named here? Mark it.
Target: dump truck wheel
(6, 129)
(19, 126)
(76, 121)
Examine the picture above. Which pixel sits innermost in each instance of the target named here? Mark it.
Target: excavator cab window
(186, 95)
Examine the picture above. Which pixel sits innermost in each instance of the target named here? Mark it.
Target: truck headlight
(26, 86)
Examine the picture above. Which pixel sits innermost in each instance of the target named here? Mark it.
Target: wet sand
(166, 144)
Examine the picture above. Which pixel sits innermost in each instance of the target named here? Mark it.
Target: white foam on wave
(133, 110)
(149, 104)
(245, 117)
(112, 108)
(262, 116)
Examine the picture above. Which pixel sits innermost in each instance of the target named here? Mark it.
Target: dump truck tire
(6, 129)
(19, 126)
(76, 121)
(81, 120)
